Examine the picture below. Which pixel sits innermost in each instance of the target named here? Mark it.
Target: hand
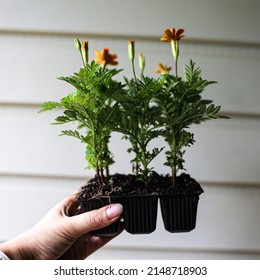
(63, 235)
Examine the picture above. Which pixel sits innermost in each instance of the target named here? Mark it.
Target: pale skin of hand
(61, 234)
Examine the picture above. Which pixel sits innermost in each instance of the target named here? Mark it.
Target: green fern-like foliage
(182, 105)
(141, 109)
(92, 107)
(138, 121)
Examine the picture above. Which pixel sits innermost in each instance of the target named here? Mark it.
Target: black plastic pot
(178, 205)
(92, 204)
(179, 212)
(139, 215)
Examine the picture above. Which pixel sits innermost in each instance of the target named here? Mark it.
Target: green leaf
(62, 120)
(73, 133)
(50, 105)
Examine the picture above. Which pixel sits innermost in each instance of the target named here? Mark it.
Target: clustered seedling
(91, 106)
(142, 109)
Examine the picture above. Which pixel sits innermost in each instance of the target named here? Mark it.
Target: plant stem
(98, 175)
(133, 68)
(98, 171)
(174, 176)
(173, 150)
(143, 146)
(102, 175)
(176, 68)
(145, 166)
(107, 171)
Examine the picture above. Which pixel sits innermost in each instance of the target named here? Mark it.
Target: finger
(94, 243)
(81, 224)
(65, 205)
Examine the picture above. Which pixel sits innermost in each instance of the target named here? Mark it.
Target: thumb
(83, 223)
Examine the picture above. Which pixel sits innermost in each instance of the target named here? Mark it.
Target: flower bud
(84, 52)
(131, 49)
(141, 62)
(77, 44)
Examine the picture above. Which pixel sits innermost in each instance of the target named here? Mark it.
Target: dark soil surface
(123, 185)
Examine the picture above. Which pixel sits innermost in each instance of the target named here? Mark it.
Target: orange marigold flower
(172, 35)
(162, 69)
(104, 57)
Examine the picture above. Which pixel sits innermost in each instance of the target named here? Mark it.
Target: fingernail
(114, 211)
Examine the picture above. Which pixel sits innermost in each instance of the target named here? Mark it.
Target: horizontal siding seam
(186, 250)
(87, 177)
(231, 114)
(117, 36)
(43, 176)
(37, 105)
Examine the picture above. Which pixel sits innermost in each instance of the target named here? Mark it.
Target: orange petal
(98, 54)
(105, 53)
(166, 36)
(170, 33)
(179, 34)
(173, 31)
(113, 56)
(113, 62)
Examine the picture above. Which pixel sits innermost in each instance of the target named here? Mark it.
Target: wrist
(10, 249)
(6, 249)
(15, 249)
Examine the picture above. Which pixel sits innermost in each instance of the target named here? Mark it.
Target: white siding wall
(37, 168)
